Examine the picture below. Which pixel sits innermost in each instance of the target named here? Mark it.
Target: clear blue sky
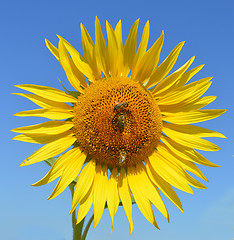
(206, 26)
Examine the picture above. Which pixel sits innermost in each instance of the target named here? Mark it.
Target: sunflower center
(117, 122)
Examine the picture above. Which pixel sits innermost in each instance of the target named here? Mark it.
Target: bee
(120, 105)
(122, 156)
(121, 122)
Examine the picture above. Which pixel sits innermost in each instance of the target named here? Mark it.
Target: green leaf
(72, 93)
(50, 161)
(133, 201)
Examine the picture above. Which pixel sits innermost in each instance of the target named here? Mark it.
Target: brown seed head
(105, 133)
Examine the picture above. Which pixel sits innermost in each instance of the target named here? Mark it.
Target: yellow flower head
(128, 124)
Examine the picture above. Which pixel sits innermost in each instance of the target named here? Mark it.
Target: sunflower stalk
(87, 228)
(78, 232)
(77, 228)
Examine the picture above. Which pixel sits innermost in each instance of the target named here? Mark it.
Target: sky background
(206, 26)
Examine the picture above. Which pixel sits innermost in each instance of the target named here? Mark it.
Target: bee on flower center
(121, 122)
(122, 156)
(120, 105)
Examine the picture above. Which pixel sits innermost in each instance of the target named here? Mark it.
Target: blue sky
(207, 28)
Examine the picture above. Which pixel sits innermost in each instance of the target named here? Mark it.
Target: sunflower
(125, 132)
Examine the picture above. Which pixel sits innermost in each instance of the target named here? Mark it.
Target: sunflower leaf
(50, 161)
(133, 201)
(72, 93)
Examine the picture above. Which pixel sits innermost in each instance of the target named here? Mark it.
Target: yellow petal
(51, 113)
(186, 153)
(40, 138)
(50, 150)
(165, 85)
(118, 36)
(143, 45)
(113, 195)
(184, 107)
(176, 170)
(185, 77)
(130, 48)
(192, 116)
(78, 60)
(51, 127)
(190, 136)
(100, 192)
(48, 92)
(150, 191)
(142, 201)
(85, 205)
(45, 103)
(193, 130)
(70, 172)
(125, 196)
(52, 48)
(57, 168)
(163, 185)
(87, 43)
(75, 77)
(88, 51)
(185, 164)
(193, 182)
(186, 94)
(171, 161)
(84, 183)
(163, 69)
(169, 172)
(112, 50)
(100, 49)
(148, 62)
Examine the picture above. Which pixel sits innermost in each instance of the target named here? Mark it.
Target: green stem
(77, 228)
(87, 228)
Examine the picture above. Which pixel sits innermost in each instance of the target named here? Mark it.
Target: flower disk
(117, 122)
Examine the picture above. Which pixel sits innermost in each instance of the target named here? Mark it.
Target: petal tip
(49, 198)
(23, 163)
(59, 37)
(181, 44)
(81, 25)
(97, 20)
(71, 211)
